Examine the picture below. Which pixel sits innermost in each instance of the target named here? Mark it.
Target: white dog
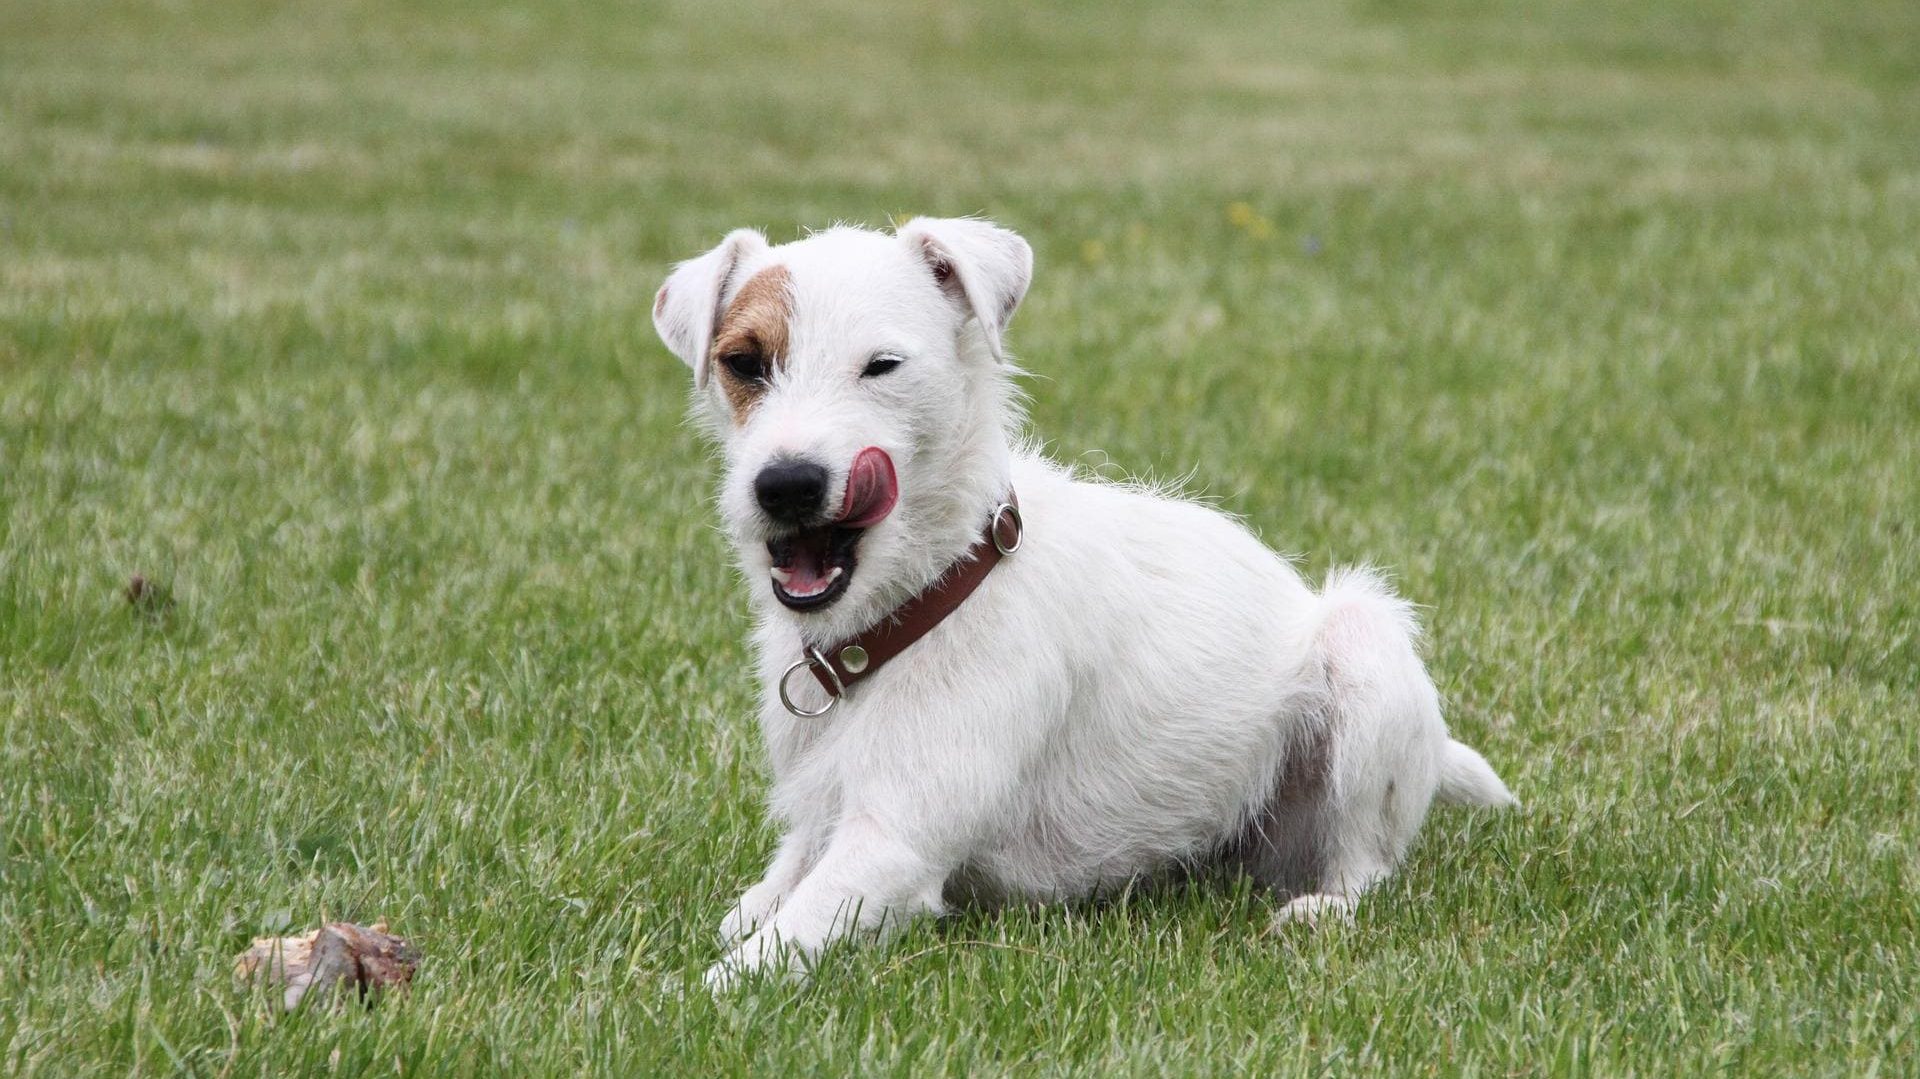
(1034, 687)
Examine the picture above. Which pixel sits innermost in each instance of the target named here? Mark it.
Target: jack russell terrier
(987, 679)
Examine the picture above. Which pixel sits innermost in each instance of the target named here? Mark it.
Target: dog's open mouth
(812, 567)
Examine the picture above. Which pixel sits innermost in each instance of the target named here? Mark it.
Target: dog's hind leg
(1373, 763)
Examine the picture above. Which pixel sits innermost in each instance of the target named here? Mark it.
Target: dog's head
(855, 380)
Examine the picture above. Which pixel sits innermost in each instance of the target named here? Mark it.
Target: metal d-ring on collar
(859, 656)
(1006, 511)
(812, 657)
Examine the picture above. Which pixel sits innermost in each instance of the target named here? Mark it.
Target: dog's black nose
(791, 490)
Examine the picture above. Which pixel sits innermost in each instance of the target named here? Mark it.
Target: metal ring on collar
(1007, 511)
(812, 657)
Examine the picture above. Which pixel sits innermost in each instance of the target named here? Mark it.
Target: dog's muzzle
(812, 563)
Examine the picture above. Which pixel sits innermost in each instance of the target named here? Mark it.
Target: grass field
(1597, 322)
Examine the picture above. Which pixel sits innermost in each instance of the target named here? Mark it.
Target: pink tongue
(807, 567)
(872, 489)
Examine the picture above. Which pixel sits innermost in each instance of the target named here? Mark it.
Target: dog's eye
(880, 365)
(746, 366)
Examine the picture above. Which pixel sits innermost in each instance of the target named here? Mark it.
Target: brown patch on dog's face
(752, 337)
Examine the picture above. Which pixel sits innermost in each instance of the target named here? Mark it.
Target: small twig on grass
(943, 946)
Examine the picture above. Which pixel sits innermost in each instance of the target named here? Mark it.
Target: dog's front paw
(750, 913)
(759, 956)
(722, 977)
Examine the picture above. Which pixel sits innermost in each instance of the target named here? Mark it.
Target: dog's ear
(984, 267)
(687, 309)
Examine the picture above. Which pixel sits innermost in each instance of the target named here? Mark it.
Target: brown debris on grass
(326, 961)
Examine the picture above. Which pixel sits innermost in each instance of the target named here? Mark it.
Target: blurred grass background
(1596, 322)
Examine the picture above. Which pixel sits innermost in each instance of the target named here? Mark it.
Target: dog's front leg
(867, 880)
(784, 873)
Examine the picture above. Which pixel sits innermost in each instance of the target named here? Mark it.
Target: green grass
(1599, 323)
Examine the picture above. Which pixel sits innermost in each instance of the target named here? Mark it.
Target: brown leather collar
(839, 667)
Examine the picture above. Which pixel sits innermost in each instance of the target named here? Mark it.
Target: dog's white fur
(1142, 686)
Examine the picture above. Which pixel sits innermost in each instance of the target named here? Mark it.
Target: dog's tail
(1466, 779)
(1358, 599)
